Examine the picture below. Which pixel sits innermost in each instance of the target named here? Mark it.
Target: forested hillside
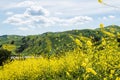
(55, 43)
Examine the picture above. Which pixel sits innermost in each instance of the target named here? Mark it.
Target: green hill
(10, 39)
(56, 43)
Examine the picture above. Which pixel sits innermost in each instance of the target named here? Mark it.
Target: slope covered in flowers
(95, 61)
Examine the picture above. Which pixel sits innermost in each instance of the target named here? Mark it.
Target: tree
(12, 42)
(4, 55)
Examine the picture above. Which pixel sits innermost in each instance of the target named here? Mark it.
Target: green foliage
(59, 42)
(10, 39)
(4, 55)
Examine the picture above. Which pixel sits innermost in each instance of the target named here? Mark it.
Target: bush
(4, 55)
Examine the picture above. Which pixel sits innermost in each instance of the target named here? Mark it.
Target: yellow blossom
(111, 76)
(100, 1)
(112, 71)
(89, 43)
(118, 78)
(105, 79)
(101, 25)
(68, 74)
(77, 41)
(91, 70)
(83, 64)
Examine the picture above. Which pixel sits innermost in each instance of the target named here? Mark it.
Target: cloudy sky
(27, 17)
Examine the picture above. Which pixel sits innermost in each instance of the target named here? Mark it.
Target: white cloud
(72, 21)
(25, 4)
(37, 16)
(37, 11)
(108, 17)
(111, 17)
(58, 13)
(18, 19)
(23, 28)
(9, 13)
(44, 21)
(68, 7)
(104, 18)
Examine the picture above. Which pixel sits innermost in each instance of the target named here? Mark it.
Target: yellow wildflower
(91, 70)
(83, 64)
(111, 76)
(89, 43)
(112, 71)
(101, 25)
(105, 79)
(103, 41)
(118, 78)
(100, 1)
(86, 60)
(77, 41)
(68, 74)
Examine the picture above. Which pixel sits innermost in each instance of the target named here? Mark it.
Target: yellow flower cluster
(99, 63)
(89, 43)
(101, 25)
(40, 67)
(100, 1)
(91, 70)
(9, 47)
(77, 41)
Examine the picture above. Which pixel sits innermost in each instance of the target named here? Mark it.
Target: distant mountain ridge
(52, 43)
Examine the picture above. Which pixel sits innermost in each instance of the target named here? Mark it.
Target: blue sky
(27, 17)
